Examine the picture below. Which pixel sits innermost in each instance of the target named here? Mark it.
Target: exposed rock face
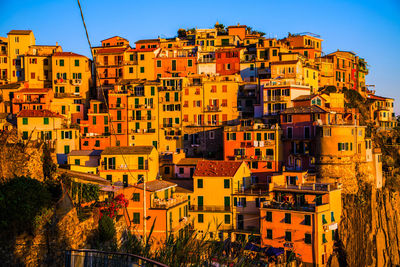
(370, 229)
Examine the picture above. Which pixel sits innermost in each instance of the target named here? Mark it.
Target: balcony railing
(212, 109)
(210, 208)
(168, 203)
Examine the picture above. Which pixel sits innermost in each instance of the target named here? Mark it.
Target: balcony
(117, 106)
(76, 82)
(212, 109)
(143, 118)
(60, 81)
(143, 131)
(210, 208)
(276, 98)
(306, 207)
(167, 203)
(206, 60)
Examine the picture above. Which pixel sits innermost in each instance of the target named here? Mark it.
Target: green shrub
(21, 200)
(106, 229)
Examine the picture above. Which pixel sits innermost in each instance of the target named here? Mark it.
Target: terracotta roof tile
(304, 110)
(285, 62)
(38, 113)
(34, 90)
(127, 150)
(217, 168)
(189, 161)
(20, 32)
(66, 54)
(111, 50)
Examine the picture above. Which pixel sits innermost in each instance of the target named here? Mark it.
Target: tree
(106, 229)
(220, 28)
(181, 33)
(21, 200)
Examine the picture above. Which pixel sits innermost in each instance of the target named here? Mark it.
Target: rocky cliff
(369, 232)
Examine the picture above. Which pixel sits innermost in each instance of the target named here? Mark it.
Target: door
(191, 172)
(200, 202)
(240, 224)
(125, 180)
(227, 203)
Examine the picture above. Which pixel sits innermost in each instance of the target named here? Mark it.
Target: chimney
(56, 43)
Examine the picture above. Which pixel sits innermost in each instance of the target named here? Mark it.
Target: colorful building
(212, 210)
(166, 210)
(86, 161)
(303, 219)
(129, 164)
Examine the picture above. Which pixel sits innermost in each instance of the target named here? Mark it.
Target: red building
(257, 145)
(228, 61)
(33, 99)
(95, 132)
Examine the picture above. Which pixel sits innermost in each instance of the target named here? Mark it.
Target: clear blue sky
(369, 28)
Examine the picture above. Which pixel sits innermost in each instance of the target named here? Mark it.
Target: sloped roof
(376, 97)
(34, 90)
(116, 36)
(15, 85)
(156, 185)
(127, 150)
(19, 32)
(217, 168)
(111, 50)
(85, 152)
(38, 113)
(189, 161)
(147, 41)
(66, 54)
(304, 110)
(285, 62)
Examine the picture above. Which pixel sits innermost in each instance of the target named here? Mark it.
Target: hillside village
(219, 131)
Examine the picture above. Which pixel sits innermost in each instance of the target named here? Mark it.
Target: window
(307, 219)
(269, 233)
(97, 143)
(181, 170)
(141, 69)
(268, 216)
(324, 239)
(289, 132)
(199, 183)
(136, 197)
(141, 56)
(288, 236)
(140, 163)
(158, 63)
(190, 63)
(288, 218)
(109, 177)
(274, 52)
(24, 135)
(66, 149)
(76, 62)
(61, 62)
(25, 121)
(226, 183)
(227, 219)
(119, 128)
(332, 216)
(324, 219)
(136, 218)
(307, 238)
(94, 120)
(200, 218)
(77, 162)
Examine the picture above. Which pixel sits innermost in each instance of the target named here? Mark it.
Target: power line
(102, 89)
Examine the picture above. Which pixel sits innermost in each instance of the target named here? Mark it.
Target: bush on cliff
(21, 200)
(106, 229)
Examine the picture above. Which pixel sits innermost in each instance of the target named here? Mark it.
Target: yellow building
(130, 164)
(213, 210)
(71, 75)
(86, 161)
(47, 126)
(381, 111)
(38, 65)
(19, 42)
(145, 63)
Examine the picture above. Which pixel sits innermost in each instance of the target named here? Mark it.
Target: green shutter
(140, 163)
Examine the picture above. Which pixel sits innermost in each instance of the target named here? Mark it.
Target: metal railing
(92, 258)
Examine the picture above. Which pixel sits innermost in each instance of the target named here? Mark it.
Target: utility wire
(102, 90)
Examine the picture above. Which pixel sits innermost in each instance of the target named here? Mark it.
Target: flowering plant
(111, 208)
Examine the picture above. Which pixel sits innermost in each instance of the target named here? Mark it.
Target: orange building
(95, 132)
(34, 99)
(307, 44)
(109, 59)
(302, 219)
(166, 208)
(176, 62)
